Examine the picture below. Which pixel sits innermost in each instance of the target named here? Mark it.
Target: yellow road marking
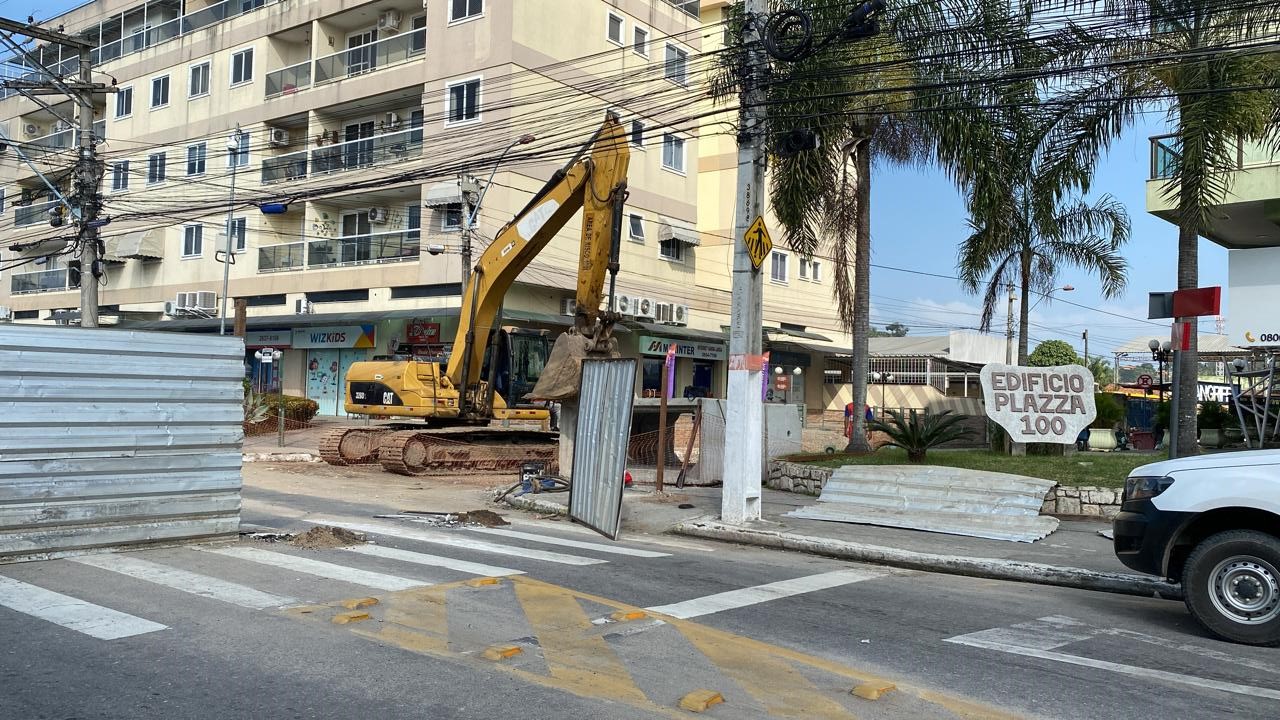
(359, 603)
(624, 616)
(873, 690)
(350, 617)
(699, 700)
(481, 582)
(571, 653)
(501, 652)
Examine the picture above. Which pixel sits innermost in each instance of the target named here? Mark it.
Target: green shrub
(1110, 411)
(1213, 416)
(295, 408)
(916, 433)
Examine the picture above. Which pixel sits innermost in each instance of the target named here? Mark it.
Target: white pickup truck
(1212, 523)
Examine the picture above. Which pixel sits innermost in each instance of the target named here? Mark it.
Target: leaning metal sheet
(600, 446)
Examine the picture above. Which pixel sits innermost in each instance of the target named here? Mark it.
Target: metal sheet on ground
(605, 398)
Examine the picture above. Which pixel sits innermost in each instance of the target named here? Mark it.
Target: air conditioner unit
(205, 300)
(626, 304)
(644, 307)
(680, 315)
(31, 129)
(378, 215)
(5, 313)
(170, 308)
(568, 307)
(389, 20)
(393, 120)
(303, 307)
(279, 137)
(662, 312)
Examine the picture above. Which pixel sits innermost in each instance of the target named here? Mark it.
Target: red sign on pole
(1144, 382)
(420, 332)
(1197, 302)
(782, 383)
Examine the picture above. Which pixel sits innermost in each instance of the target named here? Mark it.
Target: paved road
(544, 620)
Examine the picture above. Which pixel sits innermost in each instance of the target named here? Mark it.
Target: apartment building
(328, 144)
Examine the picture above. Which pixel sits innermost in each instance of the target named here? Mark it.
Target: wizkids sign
(349, 336)
(1048, 405)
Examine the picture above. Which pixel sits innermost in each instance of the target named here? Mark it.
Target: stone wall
(1061, 500)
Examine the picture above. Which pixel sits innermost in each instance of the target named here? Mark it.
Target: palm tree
(1216, 62)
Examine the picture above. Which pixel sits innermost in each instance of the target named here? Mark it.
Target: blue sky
(918, 219)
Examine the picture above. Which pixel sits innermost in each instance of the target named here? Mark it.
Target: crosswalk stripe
(460, 542)
(320, 568)
(432, 560)
(185, 581)
(763, 593)
(72, 613)
(551, 540)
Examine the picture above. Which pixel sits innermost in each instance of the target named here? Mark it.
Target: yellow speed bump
(699, 700)
(350, 617)
(873, 690)
(501, 652)
(358, 603)
(482, 582)
(624, 615)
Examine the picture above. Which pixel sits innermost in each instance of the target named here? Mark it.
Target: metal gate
(605, 397)
(112, 437)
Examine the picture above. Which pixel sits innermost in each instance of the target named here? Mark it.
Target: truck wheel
(1231, 584)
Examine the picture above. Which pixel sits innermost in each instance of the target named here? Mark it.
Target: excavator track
(351, 446)
(412, 452)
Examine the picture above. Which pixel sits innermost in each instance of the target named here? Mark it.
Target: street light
(469, 225)
(882, 380)
(1161, 353)
(1064, 288)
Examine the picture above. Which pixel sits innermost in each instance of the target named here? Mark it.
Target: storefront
(265, 377)
(330, 352)
(698, 371)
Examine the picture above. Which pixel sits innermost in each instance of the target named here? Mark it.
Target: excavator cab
(522, 354)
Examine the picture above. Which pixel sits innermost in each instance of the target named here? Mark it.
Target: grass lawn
(1099, 469)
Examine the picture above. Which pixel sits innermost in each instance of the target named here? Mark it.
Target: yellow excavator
(496, 373)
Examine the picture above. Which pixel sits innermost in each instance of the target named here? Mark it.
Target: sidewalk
(1075, 555)
(296, 442)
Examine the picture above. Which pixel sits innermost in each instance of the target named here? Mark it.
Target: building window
(637, 228)
(671, 250)
(124, 102)
(637, 133)
(810, 270)
(160, 91)
(640, 41)
(615, 29)
(198, 84)
(120, 175)
(464, 101)
(778, 267)
(463, 9)
(1, 201)
(418, 38)
(242, 67)
(677, 65)
(192, 240)
(155, 168)
(195, 159)
(672, 152)
(413, 221)
(415, 126)
(239, 234)
(240, 156)
(452, 217)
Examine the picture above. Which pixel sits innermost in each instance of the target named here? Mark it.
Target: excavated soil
(324, 536)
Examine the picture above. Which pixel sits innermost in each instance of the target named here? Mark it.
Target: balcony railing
(367, 58)
(39, 281)
(355, 154)
(385, 247)
(289, 79)
(67, 139)
(285, 167)
(1164, 156)
(1166, 152)
(26, 215)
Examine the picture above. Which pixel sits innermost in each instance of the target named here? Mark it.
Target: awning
(445, 193)
(522, 316)
(111, 249)
(680, 333)
(669, 229)
(796, 334)
(143, 245)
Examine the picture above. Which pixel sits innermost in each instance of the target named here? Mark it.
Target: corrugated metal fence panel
(605, 399)
(113, 437)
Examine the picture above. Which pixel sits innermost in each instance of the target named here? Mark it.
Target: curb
(280, 457)
(533, 504)
(989, 568)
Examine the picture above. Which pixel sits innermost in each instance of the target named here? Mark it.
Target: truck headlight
(1145, 488)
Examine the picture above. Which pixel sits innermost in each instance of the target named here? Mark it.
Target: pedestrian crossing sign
(759, 245)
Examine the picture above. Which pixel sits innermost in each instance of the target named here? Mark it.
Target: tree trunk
(860, 362)
(1024, 308)
(1188, 277)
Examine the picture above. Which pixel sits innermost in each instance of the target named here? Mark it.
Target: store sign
(268, 338)
(422, 332)
(1039, 404)
(684, 348)
(345, 336)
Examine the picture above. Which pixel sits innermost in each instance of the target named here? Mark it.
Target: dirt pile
(325, 536)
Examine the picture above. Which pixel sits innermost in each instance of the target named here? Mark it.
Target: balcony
(34, 214)
(67, 139)
(160, 32)
(384, 247)
(285, 167)
(349, 155)
(1165, 154)
(40, 281)
(289, 80)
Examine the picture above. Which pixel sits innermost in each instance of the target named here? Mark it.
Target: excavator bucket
(563, 371)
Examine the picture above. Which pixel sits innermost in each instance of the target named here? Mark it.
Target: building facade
(327, 145)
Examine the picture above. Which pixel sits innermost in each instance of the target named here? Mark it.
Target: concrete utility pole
(469, 187)
(744, 409)
(1008, 331)
(87, 198)
(228, 257)
(1085, 335)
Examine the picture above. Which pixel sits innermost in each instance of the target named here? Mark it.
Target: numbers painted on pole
(758, 242)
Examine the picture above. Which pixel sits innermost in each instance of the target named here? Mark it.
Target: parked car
(1212, 523)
